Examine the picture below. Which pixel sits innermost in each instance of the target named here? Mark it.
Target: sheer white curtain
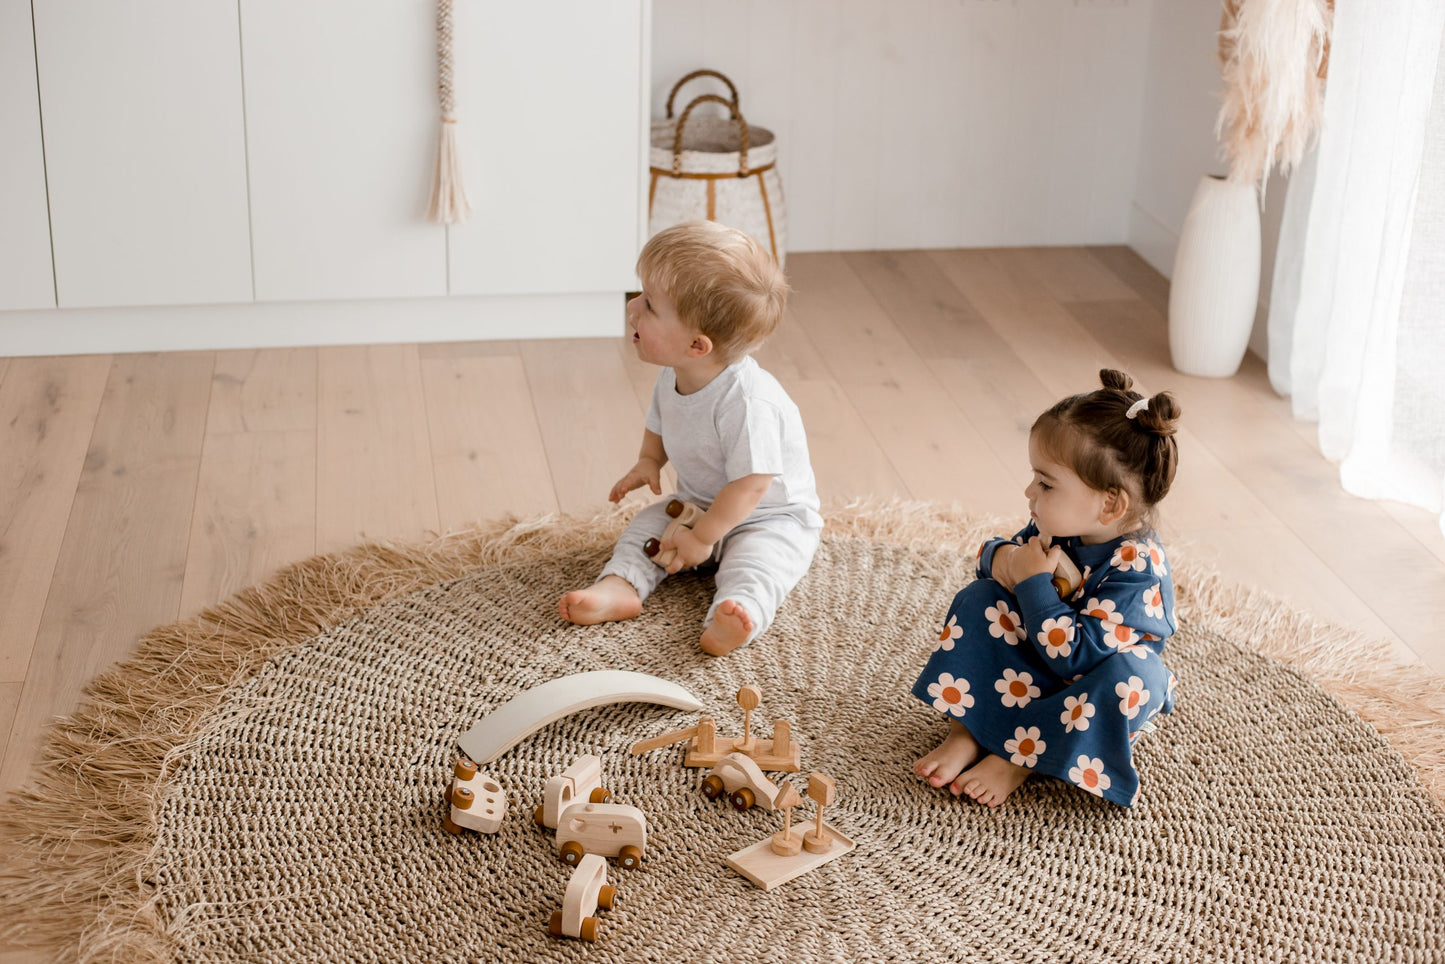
(1357, 309)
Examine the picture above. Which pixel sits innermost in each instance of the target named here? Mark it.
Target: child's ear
(1114, 507)
(701, 345)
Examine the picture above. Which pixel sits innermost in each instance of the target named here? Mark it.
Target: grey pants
(759, 562)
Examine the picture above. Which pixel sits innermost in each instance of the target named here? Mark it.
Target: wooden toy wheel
(606, 896)
(571, 853)
(537, 816)
(712, 787)
(742, 798)
(589, 928)
(554, 926)
(448, 825)
(600, 795)
(629, 857)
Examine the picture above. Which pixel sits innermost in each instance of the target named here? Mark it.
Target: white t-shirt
(740, 423)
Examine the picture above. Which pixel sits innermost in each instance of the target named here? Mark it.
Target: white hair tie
(1136, 408)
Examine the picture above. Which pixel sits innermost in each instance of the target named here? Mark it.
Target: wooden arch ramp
(529, 711)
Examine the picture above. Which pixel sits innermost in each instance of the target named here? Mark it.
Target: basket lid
(710, 135)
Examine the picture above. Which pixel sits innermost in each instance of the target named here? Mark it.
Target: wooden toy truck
(683, 516)
(475, 801)
(608, 829)
(582, 780)
(587, 893)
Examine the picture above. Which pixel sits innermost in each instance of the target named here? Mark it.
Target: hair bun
(1115, 379)
(1160, 414)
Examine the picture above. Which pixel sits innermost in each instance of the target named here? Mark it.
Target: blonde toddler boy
(711, 294)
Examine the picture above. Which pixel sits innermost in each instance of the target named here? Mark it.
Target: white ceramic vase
(1215, 289)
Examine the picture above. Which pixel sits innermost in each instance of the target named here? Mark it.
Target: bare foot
(607, 600)
(990, 780)
(950, 758)
(729, 629)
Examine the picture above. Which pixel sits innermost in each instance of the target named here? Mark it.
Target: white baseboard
(86, 331)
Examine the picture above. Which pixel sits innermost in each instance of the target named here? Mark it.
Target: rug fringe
(75, 841)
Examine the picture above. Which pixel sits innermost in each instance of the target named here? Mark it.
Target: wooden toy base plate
(767, 870)
(762, 755)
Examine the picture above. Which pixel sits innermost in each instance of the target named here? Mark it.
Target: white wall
(931, 123)
(1178, 146)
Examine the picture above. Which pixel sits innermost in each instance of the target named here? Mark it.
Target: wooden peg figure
(785, 843)
(823, 790)
(748, 698)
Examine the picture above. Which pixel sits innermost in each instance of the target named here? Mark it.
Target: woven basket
(717, 168)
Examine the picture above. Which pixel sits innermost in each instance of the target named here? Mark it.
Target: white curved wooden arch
(529, 711)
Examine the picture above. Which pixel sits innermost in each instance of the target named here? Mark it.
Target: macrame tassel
(449, 204)
(1274, 56)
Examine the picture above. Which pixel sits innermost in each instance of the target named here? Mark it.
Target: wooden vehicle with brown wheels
(683, 516)
(608, 829)
(580, 781)
(742, 779)
(474, 801)
(587, 893)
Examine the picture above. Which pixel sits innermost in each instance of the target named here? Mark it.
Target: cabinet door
(341, 128)
(549, 101)
(25, 277)
(145, 151)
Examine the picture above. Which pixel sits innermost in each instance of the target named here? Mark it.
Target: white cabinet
(25, 277)
(144, 150)
(341, 123)
(551, 127)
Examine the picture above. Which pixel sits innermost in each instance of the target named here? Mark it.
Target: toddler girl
(1033, 682)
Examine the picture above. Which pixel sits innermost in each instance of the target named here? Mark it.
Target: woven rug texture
(301, 819)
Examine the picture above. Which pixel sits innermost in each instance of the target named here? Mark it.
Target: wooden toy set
(590, 828)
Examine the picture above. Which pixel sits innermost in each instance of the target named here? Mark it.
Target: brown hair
(721, 282)
(1094, 435)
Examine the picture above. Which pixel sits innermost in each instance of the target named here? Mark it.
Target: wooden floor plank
(373, 459)
(591, 419)
(9, 707)
(933, 445)
(256, 495)
(122, 559)
(486, 445)
(47, 412)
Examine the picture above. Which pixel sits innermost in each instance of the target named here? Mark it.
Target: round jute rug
(265, 783)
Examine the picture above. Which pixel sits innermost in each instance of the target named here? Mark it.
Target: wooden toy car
(476, 801)
(587, 892)
(683, 515)
(609, 829)
(581, 780)
(741, 777)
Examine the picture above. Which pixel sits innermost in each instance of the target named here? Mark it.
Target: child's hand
(1033, 558)
(691, 551)
(646, 472)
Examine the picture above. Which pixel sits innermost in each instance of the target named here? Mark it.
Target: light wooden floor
(140, 488)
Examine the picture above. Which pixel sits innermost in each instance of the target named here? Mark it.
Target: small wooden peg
(748, 698)
(823, 790)
(784, 843)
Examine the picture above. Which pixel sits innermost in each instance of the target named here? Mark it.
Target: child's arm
(1124, 608)
(647, 471)
(733, 504)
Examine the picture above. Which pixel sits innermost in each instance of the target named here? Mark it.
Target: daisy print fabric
(1060, 686)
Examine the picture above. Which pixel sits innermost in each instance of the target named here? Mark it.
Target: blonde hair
(721, 282)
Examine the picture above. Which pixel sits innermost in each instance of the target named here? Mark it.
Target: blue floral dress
(1061, 686)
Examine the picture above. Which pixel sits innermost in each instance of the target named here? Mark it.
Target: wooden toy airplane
(705, 748)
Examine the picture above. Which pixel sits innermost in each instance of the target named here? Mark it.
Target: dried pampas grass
(1274, 55)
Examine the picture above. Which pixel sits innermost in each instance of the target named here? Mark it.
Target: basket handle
(682, 122)
(695, 74)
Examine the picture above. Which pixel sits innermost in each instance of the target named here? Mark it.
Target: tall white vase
(1215, 289)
